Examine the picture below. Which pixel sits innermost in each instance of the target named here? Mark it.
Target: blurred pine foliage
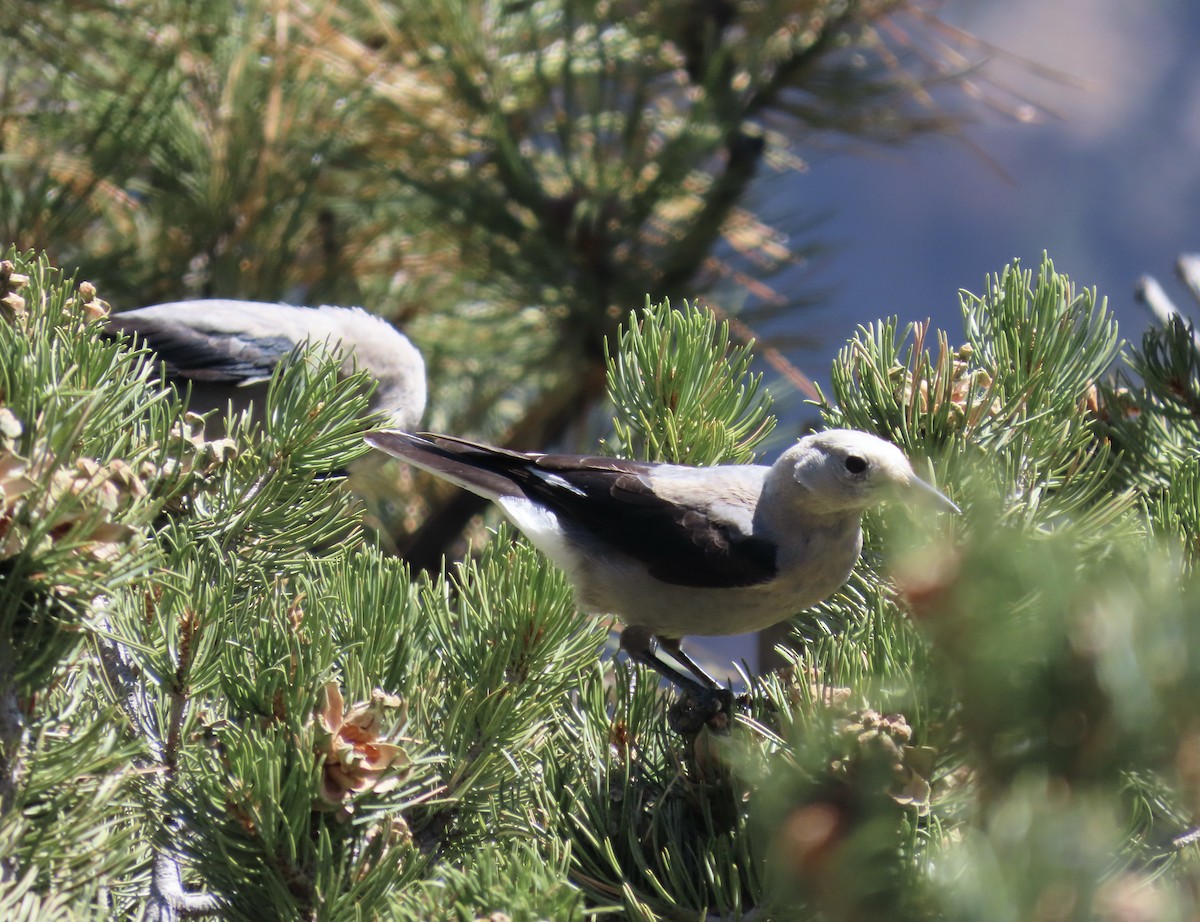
(507, 178)
(219, 697)
(203, 715)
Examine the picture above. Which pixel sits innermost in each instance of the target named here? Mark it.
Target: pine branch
(12, 737)
(168, 900)
(682, 392)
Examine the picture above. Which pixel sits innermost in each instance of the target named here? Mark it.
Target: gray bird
(227, 349)
(672, 550)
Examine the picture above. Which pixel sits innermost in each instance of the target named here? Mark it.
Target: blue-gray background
(1107, 180)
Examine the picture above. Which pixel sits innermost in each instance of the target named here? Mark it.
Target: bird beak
(941, 498)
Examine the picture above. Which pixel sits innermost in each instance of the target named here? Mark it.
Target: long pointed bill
(942, 499)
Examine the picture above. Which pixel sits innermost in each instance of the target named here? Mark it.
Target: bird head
(843, 470)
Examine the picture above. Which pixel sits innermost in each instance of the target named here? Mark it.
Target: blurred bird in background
(227, 350)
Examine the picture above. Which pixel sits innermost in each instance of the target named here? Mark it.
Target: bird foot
(695, 709)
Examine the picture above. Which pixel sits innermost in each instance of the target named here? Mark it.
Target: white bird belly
(609, 585)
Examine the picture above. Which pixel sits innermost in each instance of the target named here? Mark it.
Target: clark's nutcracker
(672, 550)
(227, 349)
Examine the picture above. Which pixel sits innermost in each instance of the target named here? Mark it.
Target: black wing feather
(202, 356)
(610, 500)
(680, 545)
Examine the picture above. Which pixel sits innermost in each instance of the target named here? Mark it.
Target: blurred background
(1104, 175)
(1085, 145)
(508, 181)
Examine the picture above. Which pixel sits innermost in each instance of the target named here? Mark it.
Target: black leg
(703, 697)
(673, 646)
(641, 646)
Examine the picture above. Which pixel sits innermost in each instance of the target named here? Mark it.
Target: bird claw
(700, 707)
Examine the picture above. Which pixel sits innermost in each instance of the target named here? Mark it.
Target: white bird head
(843, 470)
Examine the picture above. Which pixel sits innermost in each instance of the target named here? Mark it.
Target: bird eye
(855, 464)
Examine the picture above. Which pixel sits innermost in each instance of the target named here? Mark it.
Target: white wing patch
(556, 480)
(543, 529)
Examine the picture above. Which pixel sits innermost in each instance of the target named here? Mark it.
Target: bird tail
(470, 465)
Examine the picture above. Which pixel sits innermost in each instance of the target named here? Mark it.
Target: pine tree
(506, 179)
(219, 694)
(203, 713)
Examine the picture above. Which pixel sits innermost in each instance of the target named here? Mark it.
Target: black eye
(855, 464)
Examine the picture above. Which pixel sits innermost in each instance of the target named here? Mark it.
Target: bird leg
(704, 697)
(673, 646)
(642, 646)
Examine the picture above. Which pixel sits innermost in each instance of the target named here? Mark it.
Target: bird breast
(813, 570)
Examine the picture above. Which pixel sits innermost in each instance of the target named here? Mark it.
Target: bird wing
(682, 541)
(204, 355)
(606, 499)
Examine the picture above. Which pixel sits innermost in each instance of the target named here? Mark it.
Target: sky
(1107, 180)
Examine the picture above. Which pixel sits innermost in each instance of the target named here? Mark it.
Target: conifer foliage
(221, 697)
(219, 700)
(503, 177)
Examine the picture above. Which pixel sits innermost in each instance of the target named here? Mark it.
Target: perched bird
(673, 550)
(227, 349)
